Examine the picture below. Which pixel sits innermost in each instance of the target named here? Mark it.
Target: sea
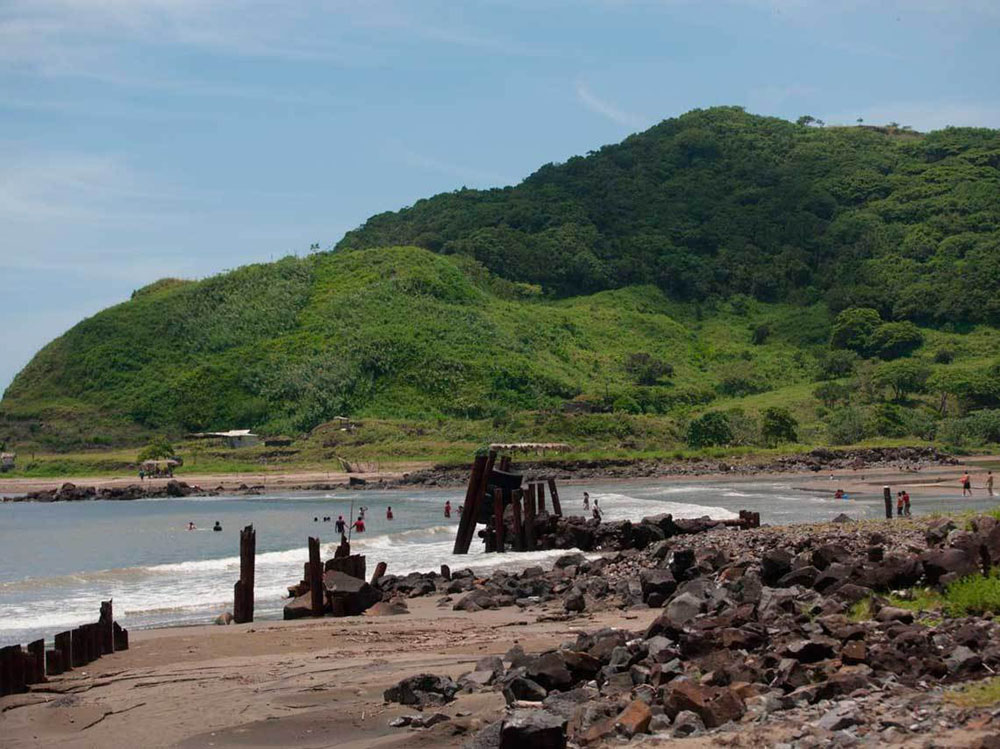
(59, 560)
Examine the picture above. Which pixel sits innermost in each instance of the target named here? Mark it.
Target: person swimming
(217, 526)
(191, 527)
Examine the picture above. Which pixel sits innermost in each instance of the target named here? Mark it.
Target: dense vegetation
(721, 280)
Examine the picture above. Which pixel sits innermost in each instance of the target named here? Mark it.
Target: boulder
(533, 729)
(657, 581)
(714, 705)
(682, 609)
(634, 719)
(523, 688)
(774, 565)
(687, 723)
(422, 690)
(574, 601)
(299, 607)
(549, 670)
(348, 596)
(940, 562)
(809, 651)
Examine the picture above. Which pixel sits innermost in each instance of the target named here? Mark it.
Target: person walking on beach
(966, 485)
(989, 482)
(586, 501)
(388, 513)
(899, 504)
(341, 525)
(906, 503)
(447, 508)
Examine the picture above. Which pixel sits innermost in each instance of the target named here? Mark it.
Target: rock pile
(755, 625)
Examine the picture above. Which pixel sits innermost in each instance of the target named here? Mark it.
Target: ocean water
(59, 560)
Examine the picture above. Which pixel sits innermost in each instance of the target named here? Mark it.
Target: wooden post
(243, 590)
(380, 569)
(556, 507)
(887, 496)
(121, 637)
(36, 651)
(64, 644)
(481, 468)
(6, 671)
(79, 648)
(316, 578)
(505, 463)
(105, 626)
(540, 494)
(14, 667)
(498, 518)
(529, 518)
(53, 662)
(515, 508)
(93, 641)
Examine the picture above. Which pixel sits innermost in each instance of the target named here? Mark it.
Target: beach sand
(306, 683)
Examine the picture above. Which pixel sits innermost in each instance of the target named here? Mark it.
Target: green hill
(719, 262)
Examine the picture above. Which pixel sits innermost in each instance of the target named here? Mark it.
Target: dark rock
(550, 671)
(811, 650)
(533, 729)
(423, 689)
(523, 688)
(658, 581)
(714, 705)
(774, 565)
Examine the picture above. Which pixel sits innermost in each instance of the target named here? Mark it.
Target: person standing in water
(447, 508)
(989, 483)
(388, 513)
(906, 503)
(966, 485)
(359, 525)
(340, 526)
(586, 501)
(598, 515)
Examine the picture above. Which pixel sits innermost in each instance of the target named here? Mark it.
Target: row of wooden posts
(74, 648)
(526, 503)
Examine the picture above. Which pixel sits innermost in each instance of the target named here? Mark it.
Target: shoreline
(881, 462)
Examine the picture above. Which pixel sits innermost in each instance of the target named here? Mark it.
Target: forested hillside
(719, 280)
(720, 202)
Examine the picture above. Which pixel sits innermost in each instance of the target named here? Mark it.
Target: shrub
(944, 356)
(778, 426)
(973, 595)
(845, 426)
(902, 377)
(836, 364)
(739, 379)
(759, 334)
(710, 430)
(832, 393)
(647, 369)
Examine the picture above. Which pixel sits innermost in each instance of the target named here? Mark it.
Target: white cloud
(609, 110)
(475, 177)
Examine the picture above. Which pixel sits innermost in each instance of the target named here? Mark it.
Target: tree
(710, 430)
(159, 448)
(647, 369)
(805, 120)
(846, 426)
(894, 339)
(760, 333)
(832, 393)
(777, 426)
(853, 328)
(902, 377)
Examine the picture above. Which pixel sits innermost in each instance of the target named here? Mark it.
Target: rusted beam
(556, 507)
(515, 508)
(243, 596)
(467, 522)
(498, 518)
(529, 518)
(318, 595)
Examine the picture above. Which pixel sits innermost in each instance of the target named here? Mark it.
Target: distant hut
(7, 462)
(163, 467)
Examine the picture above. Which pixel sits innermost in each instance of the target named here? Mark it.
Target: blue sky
(149, 138)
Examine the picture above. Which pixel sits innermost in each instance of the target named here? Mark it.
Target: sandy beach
(307, 683)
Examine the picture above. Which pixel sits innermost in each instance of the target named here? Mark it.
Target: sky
(141, 139)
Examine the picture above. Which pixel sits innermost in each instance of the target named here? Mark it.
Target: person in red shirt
(388, 514)
(447, 508)
(359, 525)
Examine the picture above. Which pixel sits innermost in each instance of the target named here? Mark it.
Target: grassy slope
(431, 353)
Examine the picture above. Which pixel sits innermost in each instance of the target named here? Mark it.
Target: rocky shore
(785, 634)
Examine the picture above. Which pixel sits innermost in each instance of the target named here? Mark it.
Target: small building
(233, 438)
(7, 462)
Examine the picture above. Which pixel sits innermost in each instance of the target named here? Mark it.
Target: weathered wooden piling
(93, 642)
(318, 595)
(515, 508)
(79, 649)
(481, 467)
(243, 590)
(540, 496)
(354, 565)
(498, 518)
(36, 655)
(380, 569)
(121, 637)
(529, 518)
(556, 507)
(64, 644)
(53, 662)
(12, 669)
(106, 630)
